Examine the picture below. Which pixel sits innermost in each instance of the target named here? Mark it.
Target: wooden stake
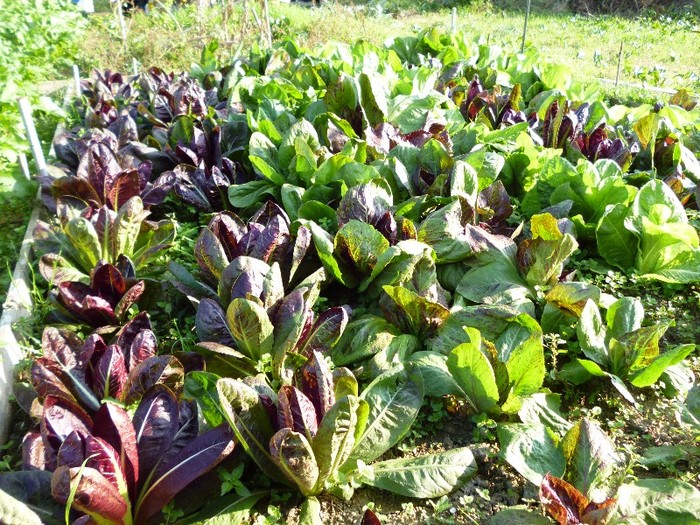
(268, 28)
(527, 17)
(619, 65)
(134, 66)
(76, 81)
(454, 20)
(26, 111)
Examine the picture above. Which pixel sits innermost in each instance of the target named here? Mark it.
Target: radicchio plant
(228, 248)
(125, 471)
(105, 301)
(101, 180)
(564, 128)
(76, 243)
(492, 108)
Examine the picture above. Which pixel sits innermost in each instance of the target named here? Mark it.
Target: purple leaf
(317, 384)
(164, 369)
(33, 452)
(124, 186)
(370, 518)
(198, 457)
(228, 229)
(103, 458)
(94, 494)
(72, 451)
(325, 332)
(114, 425)
(296, 411)
(143, 347)
(59, 419)
(107, 282)
(155, 424)
(132, 295)
(130, 330)
(48, 384)
(211, 325)
(210, 254)
(109, 373)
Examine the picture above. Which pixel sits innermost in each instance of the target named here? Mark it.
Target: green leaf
(651, 373)
(201, 386)
(591, 460)
(310, 512)
(126, 227)
(394, 399)
(437, 379)
(15, 512)
(416, 314)
(251, 327)
(531, 451)
(542, 258)
(444, 231)
(335, 438)
(657, 502)
(544, 409)
(475, 376)
(264, 158)
(291, 199)
(526, 370)
(579, 371)
(591, 334)
(373, 98)
(647, 128)
(324, 248)
(250, 193)
(616, 243)
(497, 281)
(83, 237)
(667, 455)
(250, 422)
(361, 244)
(623, 316)
(230, 509)
(293, 454)
(429, 476)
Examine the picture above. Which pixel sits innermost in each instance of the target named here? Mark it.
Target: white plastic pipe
(26, 111)
(76, 81)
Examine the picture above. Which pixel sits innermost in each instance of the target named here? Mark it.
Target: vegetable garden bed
(304, 279)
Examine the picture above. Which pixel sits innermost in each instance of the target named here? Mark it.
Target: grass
(659, 51)
(16, 203)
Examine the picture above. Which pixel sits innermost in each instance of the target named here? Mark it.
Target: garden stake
(135, 66)
(454, 20)
(76, 80)
(268, 28)
(26, 112)
(122, 24)
(527, 17)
